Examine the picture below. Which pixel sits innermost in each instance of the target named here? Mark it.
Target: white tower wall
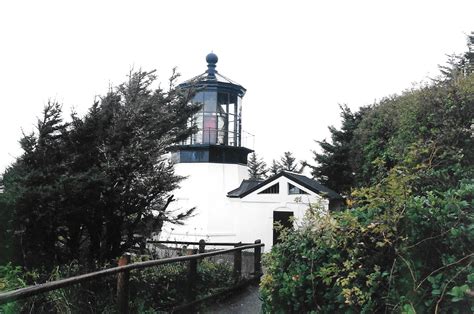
(205, 187)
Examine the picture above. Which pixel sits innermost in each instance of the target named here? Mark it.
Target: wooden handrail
(196, 243)
(53, 285)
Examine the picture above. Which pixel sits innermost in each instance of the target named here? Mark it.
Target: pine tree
(333, 167)
(86, 189)
(257, 167)
(459, 64)
(288, 163)
(275, 168)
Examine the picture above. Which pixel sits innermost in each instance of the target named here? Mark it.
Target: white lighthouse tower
(230, 207)
(213, 160)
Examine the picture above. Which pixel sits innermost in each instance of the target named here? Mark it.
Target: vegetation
(257, 167)
(275, 168)
(151, 289)
(333, 166)
(288, 163)
(94, 187)
(404, 244)
(85, 191)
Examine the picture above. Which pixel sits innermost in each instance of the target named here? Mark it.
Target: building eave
(330, 194)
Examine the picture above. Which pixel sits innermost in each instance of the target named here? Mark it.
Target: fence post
(192, 279)
(258, 259)
(122, 285)
(237, 263)
(202, 246)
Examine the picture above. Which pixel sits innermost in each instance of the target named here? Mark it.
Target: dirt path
(247, 301)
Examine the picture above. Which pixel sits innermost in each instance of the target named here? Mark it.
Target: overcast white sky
(297, 59)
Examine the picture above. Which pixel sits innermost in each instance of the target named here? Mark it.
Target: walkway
(247, 301)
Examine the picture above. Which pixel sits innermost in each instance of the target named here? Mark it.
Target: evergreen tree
(86, 189)
(333, 165)
(257, 167)
(410, 158)
(287, 162)
(275, 168)
(459, 65)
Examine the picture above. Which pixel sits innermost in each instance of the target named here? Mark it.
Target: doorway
(284, 219)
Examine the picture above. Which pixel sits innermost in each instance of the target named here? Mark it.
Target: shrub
(393, 252)
(152, 289)
(10, 279)
(163, 287)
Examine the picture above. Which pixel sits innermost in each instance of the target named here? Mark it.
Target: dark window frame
(274, 189)
(296, 190)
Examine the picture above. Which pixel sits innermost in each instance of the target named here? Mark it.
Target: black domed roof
(212, 58)
(212, 79)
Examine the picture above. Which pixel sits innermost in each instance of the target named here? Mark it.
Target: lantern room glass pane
(232, 127)
(223, 117)
(197, 137)
(218, 122)
(239, 121)
(233, 99)
(210, 101)
(222, 98)
(221, 126)
(199, 98)
(210, 128)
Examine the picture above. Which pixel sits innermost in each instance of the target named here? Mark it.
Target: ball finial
(211, 58)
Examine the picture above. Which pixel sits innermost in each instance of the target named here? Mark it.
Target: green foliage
(333, 167)
(84, 190)
(152, 289)
(10, 279)
(288, 163)
(405, 243)
(6, 221)
(459, 65)
(275, 168)
(159, 287)
(162, 288)
(90, 297)
(257, 168)
(213, 276)
(394, 252)
(436, 117)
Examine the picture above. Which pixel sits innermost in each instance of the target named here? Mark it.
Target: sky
(298, 60)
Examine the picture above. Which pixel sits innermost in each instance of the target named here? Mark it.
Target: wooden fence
(124, 267)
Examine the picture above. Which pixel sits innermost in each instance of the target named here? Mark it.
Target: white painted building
(229, 206)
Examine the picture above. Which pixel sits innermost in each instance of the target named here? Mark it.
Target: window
(295, 190)
(274, 189)
(209, 128)
(210, 102)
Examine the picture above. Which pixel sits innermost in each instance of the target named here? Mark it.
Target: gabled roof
(313, 185)
(249, 186)
(244, 187)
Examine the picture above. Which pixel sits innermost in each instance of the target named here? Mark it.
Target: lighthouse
(213, 160)
(231, 207)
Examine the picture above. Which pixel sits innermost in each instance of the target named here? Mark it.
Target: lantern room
(219, 122)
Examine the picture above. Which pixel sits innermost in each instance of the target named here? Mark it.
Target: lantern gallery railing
(189, 289)
(220, 137)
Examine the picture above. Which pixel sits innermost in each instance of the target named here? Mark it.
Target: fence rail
(196, 243)
(124, 268)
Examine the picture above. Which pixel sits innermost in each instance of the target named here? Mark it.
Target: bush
(10, 279)
(163, 287)
(152, 289)
(393, 252)
(90, 297)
